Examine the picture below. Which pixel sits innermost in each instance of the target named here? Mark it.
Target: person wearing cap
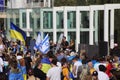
(95, 75)
(101, 74)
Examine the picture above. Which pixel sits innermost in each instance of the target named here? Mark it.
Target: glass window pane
(36, 21)
(58, 35)
(94, 37)
(71, 19)
(50, 34)
(16, 17)
(84, 37)
(31, 34)
(71, 35)
(59, 20)
(47, 20)
(24, 19)
(84, 19)
(17, 21)
(31, 20)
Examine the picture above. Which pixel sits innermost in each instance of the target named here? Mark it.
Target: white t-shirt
(96, 66)
(54, 73)
(1, 47)
(1, 64)
(102, 76)
(77, 64)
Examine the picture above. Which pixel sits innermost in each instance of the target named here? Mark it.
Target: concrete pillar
(112, 28)
(27, 22)
(106, 18)
(49, 3)
(91, 27)
(65, 22)
(78, 22)
(41, 23)
(54, 26)
(96, 26)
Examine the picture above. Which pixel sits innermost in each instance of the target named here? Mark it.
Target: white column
(14, 18)
(91, 27)
(20, 18)
(49, 3)
(112, 28)
(54, 26)
(78, 21)
(8, 26)
(65, 22)
(28, 21)
(44, 2)
(106, 24)
(35, 25)
(41, 23)
(96, 26)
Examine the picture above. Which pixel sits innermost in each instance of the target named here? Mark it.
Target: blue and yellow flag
(17, 33)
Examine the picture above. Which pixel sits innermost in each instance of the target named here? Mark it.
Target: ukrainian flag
(17, 33)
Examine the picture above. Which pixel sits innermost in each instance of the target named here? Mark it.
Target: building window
(24, 19)
(59, 20)
(58, 35)
(71, 35)
(31, 20)
(29, 1)
(84, 37)
(47, 20)
(84, 19)
(50, 34)
(71, 19)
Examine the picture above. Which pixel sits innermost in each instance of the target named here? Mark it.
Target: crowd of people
(17, 63)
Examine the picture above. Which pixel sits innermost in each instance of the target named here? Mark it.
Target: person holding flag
(17, 33)
(38, 42)
(44, 47)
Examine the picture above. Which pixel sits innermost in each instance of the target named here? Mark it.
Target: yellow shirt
(45, 67)
(65, 72)
(92, 70)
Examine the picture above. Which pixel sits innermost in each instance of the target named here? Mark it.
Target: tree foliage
(65, 2)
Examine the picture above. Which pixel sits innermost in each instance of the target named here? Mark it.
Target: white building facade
(29, 3)
(79, 23)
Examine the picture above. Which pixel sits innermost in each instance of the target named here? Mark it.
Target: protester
(38, 73)
(15, 72)
(101, 73)
(28, 63)
(64, 43)
(21, 64)
(65, 70)
(54, 72)
(76, 65)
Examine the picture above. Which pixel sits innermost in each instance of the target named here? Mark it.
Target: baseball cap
(95, 73)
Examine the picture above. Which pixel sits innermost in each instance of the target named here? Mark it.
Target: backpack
(84, 72)
(62, 76)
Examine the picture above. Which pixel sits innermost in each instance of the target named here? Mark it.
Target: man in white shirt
(1, 64)
(101, 74)
(76, 65)
(54, 73)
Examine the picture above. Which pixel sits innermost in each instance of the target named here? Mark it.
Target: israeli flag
(38, 42)
(45, 45)
(59, 42)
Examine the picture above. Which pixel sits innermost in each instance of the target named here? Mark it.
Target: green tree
(65, 2)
